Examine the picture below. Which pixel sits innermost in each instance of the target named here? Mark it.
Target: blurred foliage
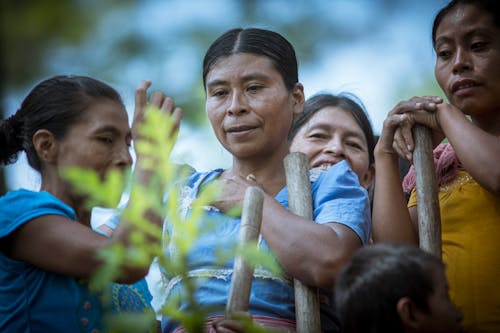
(146, 240)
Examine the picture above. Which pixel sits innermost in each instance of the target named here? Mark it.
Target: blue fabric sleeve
(338, 197)
(21, 206)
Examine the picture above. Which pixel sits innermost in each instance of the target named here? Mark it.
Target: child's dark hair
(259, 42)
(368, 288)
(54, 104)
(492, 7)
(347, 102)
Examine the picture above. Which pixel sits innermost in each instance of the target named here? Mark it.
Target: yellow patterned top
(470, 227)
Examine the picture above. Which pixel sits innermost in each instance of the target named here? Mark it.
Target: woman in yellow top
(466, 38)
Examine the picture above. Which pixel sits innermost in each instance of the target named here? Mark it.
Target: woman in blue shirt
(48, 249)
(252, 93)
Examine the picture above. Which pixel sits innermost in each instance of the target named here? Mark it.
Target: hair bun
(11, 138)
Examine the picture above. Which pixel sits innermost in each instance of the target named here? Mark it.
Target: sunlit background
(380, 50)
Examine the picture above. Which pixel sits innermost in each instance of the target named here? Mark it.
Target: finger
(229, 325)
(176, 117)
(388, 130)
(141, 95)
(156, 99)
(434, 99)
(401, 146)
(168, 105)
(415, 104)
(140, 106)
(407, 135)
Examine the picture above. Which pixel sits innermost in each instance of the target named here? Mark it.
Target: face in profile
(467, 44)
(99, 141)
(332, 135)
(248, 105)
(442, 317)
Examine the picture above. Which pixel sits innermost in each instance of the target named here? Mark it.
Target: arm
(58, 244)
(478, 150)
(306, 250)
(391, 219)
(310, 252)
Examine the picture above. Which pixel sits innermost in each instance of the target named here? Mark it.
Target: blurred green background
(380, 50)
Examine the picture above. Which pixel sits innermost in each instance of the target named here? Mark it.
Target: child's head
(466, 38)
(252, 93)
(394, 288)
(333, 128)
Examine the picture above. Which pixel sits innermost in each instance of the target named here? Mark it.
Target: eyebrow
(468, 34)
(246, 78)
(349, 132)
(112, 129)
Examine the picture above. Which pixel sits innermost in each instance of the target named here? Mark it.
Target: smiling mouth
(324, 165)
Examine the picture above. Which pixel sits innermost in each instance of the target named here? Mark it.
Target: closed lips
(240, 128)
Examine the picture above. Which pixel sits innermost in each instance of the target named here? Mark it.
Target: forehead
(241, 65)
(104, 112)
(334, 117)
(464, 18)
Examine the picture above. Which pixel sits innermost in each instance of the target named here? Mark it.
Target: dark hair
(54, 104)
(368, 288)
(347, 102)
(492, 7)
(256, 41)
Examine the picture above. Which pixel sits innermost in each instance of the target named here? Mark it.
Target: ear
(298, 98)
(409, 314)
(368, 177)
(46, 146)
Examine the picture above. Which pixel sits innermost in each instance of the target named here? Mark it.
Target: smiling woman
(334, 128)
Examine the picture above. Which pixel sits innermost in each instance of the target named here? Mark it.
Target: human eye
(444, 53)
(105, 139)
(317, 135)
(353, 144)
(254, 87)
(218, 93)
(478, 46)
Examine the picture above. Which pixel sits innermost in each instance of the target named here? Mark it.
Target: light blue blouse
(337, 197)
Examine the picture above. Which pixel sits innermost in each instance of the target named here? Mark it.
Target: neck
(58, 188)
(489, 123)
(269, 172)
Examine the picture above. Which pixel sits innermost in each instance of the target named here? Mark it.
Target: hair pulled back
(259, 42)
(492, 7)
(55, 105)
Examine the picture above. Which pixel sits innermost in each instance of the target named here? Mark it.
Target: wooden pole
(429, 222)
(251, 218)
(307, 312)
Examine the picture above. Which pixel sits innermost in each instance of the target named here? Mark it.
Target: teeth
(325, 166)
(468, 85)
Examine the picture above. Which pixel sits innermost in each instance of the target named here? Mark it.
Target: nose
(335, 147)
(462, 61)
(123, 157)
(238, 104)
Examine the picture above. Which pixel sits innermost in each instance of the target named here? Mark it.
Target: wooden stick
(307, 312)
(251, 218)
(429, 222)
